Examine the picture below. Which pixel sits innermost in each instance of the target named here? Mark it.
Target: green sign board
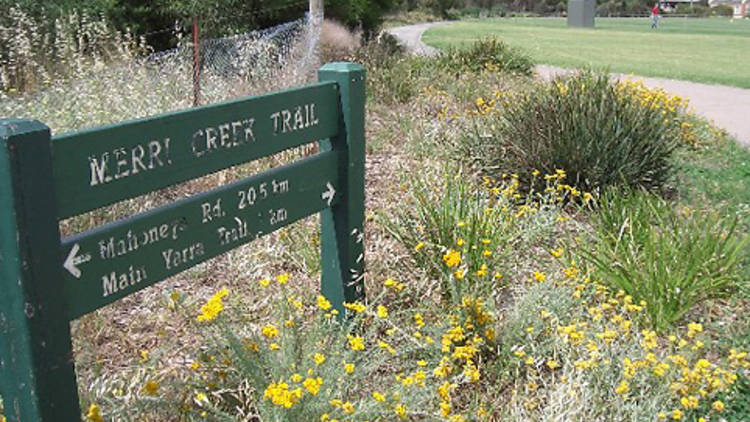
(47, 281)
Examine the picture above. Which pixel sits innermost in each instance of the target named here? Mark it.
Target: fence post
(342, 226)
(37, 377)
(196, 64)
(316, 8)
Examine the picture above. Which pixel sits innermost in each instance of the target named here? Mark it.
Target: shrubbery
(487, 54)
(397, 78)
(723, 10)
(602, 133)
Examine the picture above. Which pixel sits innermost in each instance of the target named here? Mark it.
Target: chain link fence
(230, 67)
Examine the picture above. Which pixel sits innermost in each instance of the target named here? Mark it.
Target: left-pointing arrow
(73, 260)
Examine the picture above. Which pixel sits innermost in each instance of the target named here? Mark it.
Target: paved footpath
(727, 106)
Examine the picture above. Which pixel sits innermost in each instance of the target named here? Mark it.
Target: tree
(366, 14)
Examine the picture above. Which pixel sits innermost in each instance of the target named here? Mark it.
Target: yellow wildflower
(623, 388)
(269, 331)
(211, 309)
(395, 285)
(280, 395)
(357, 307)
(319, 358)
(151, 387)
(356, 343)
(694, 328)
(282, 278)
(312, 385)
(382, 311)
(200, 399)
(323, 303)
(452, 258)
(93, 414)
(445, 408)
(649, 339)
(419, 320)
(400, 410)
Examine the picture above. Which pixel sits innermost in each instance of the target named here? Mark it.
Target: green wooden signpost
(46, 281)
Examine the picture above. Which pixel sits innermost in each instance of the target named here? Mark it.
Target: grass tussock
(673, 259)
(602, 133)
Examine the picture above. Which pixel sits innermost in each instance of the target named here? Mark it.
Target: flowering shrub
(304, 363)
(579, 355)
(489, 54)
(460, 232)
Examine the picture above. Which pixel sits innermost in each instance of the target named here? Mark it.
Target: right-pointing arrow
(329, 194)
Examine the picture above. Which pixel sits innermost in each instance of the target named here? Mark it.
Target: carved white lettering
(113, 247)
(114, 282)
(224, 136)
(211, 210)
(294, 119)
(124, 162)
(174, 258)
(229, 235)
(99, 172)
(299, 120)
(286, 116)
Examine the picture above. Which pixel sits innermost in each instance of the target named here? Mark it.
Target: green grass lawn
(701, 50)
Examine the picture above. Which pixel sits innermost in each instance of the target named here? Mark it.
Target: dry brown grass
(337, 41)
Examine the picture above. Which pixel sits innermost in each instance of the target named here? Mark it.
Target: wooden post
(342, 226)
(196, 64)
(316, 9)
(37, 377)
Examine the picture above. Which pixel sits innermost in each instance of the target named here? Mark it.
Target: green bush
(600, 132)
(722, 10)
(697, 10)
(487, 54)
(672, 260)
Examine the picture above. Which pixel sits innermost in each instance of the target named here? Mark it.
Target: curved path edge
(726, 106)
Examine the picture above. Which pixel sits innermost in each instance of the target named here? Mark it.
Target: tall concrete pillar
(581, 13)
